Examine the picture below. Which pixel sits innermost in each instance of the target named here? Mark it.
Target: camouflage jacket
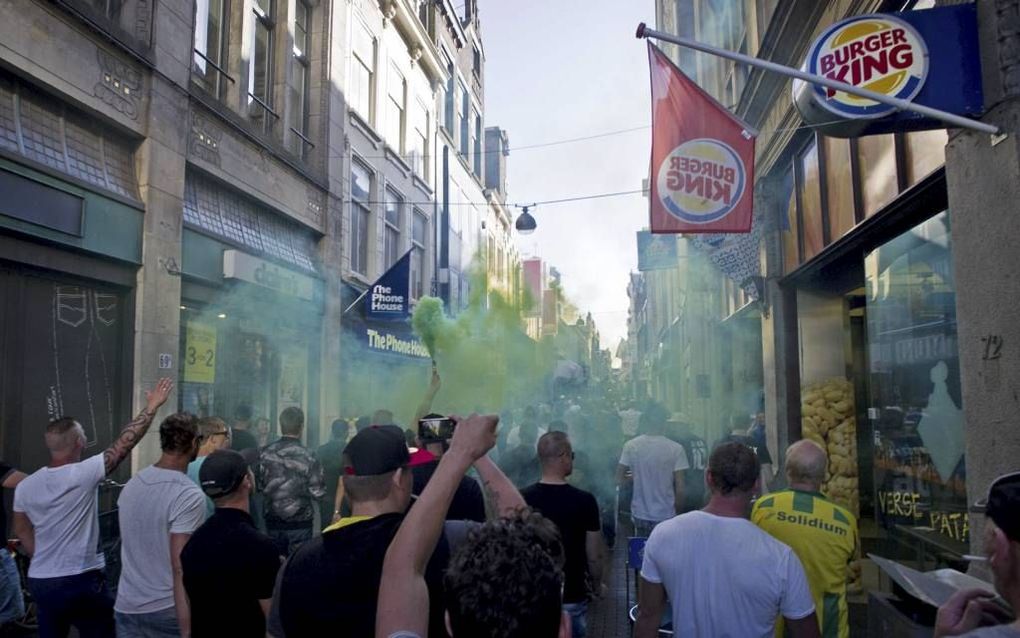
(290, 478)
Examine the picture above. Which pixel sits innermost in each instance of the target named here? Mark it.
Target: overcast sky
(562, 69)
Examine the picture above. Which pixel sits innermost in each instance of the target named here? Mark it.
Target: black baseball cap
(378, 449)
(222, 472)
(1002, 504)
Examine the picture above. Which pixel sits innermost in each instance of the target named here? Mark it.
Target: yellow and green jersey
(824, 537)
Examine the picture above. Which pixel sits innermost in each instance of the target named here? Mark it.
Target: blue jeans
(288, 540)
(578, 618)
(82, 600)
(156, 624)
(12, 603)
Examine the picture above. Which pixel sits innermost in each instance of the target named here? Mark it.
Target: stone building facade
(198, 189)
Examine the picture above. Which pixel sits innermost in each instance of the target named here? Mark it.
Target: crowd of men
(490, 530)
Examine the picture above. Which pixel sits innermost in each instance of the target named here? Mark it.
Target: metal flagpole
(949, 118)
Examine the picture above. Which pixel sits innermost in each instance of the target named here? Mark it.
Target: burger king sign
(701, 181)
(893, 55)
(879, 53)
(702, 164)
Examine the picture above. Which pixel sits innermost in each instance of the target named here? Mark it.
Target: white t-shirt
(154, 504)
(63, 506)
(653, 458)
(726, 578)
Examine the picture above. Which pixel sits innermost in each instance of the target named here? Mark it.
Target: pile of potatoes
(827, 418)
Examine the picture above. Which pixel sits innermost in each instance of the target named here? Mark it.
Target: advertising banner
(656, 252)
(930, 57)
(702, 165)
(200, 353)
(390, 296)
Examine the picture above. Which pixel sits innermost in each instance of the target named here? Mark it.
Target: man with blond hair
(822, 534)
(213, 434)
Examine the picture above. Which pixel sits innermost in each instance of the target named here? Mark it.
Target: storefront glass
(915, 403)
(231, 357)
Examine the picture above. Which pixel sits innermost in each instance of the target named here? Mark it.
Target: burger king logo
(701, 181)
(880, 53)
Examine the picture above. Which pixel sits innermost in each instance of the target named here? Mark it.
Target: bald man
(822, 534)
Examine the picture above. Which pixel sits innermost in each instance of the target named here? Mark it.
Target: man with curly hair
(160, 508)
(504, 581)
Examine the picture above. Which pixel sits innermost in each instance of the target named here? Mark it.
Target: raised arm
(404, 596)
(136, 429)
(503, 495)
(426, 403)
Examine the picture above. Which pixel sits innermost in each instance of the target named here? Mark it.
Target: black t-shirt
(575, 513)
(694, 475)
(468, 503)
(330, 457)
(241, 440)
(228, 567)
(5, 470)
(330, 585)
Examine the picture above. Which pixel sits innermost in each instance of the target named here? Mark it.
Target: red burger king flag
(702, 170)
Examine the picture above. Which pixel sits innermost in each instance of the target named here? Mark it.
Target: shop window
(916, 400)
(476, 145)
(877, 159)
(925, 151)
(394, 213)
(809, 195)
(362, 72)
(210, 45)
(839, 186)
(260, 68)
(46, 131)
(361, 216)
(298, 113)
(419, 239)
(217, 210)
(465, 120)
(449, 100)
(418, 143)
(395, 105)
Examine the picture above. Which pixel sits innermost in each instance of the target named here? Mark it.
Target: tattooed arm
(503, 496)
(136, 429)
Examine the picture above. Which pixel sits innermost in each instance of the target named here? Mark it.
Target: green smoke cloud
(428, 321)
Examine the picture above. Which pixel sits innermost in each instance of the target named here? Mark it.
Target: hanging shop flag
(702, 169)
(655, 252)
(390, 296)
(930, 57)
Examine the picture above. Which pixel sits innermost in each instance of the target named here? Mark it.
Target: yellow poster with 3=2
(200, 353)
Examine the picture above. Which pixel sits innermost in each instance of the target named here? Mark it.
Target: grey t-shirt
(154, 504)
